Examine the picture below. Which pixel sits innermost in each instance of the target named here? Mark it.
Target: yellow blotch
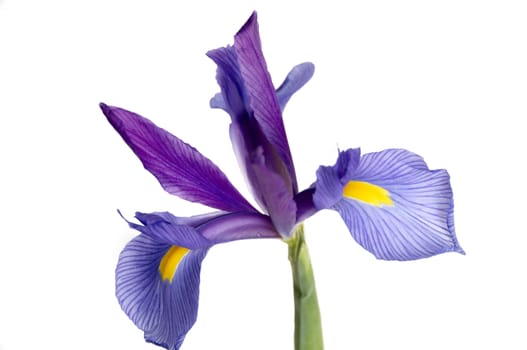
(170, 262)
(367, 193)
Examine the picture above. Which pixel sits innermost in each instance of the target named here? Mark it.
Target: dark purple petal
(248, 140)
(278, 200)
(418, 222)
(245, 156)
(305, 205)
(249, 143)
(180, 168)
(260, 89)
(267, 160)
(165, 310)
(297, 77)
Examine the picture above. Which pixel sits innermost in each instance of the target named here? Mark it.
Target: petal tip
(458, 249)
(108, 112)
(104, 108)
(309, 67)
(251, 22)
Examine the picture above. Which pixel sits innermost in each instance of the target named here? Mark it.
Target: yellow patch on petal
(367, 193)
(170, 262)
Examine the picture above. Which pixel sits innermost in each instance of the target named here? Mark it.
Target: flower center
(367, 193)
(170, 262)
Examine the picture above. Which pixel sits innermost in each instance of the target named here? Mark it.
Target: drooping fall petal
(157, 286)
(158, 273)
(260, 89)
(393, 205)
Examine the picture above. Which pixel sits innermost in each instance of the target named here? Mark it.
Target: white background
(445, 79)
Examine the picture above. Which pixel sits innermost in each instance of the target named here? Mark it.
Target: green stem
(308, 328)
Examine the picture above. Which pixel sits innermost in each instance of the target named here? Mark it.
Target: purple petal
(297, 77)
(205, 230)
(232, 98)
(244, 156)
(260, 89)
(180, 168)
(305, 205)
(217, 101)
(169, 229)
(238, 226)
(332, 179)
(328, 188)
(248, 155)
(278, 200)
(164, 310)
(418, 223)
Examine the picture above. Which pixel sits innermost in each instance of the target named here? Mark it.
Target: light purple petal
(164, 310)
(297, 77)
(169, 229)
(347, 163)
(180, 168)
(217, 101)
(419, 224)
(328, 188)
(332, 179)
(260, 89)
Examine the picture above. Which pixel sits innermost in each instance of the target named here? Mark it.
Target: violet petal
(297, 77)
(260, 89)
(164, 310)
(278, 199)
(180, 168)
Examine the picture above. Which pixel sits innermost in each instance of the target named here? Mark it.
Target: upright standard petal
(297, 77)
(232, 98)
(157, 285)
(393, 205)
(257, 131)
(180, 168)
(254, 151)
(270, 184)
(260, 89)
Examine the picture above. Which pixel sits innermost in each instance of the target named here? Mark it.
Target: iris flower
(394, 206)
